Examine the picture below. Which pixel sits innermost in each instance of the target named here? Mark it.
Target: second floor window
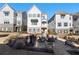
(65, 24)
(6, 22)
(34, 21)
(6, 13)
(59, 24)
(70, 24)
(43, 17)
(34, 15)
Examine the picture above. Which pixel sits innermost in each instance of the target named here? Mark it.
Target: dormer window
(6, 13)
(62, 16)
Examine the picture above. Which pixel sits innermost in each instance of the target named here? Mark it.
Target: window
(34, 21)
(6, 13)
(59, 24)
(2, 29)
(65, 24)
(38, 30)
(18, 22)
(34, 29)
(38, 15)
(29, 30)
(6, 22)
(30, 15)
(16, 14)
(44, 22)
(70, 18)
(6, 29)
(43, 17)
(70, 24)
(34, 15)
(62, 16)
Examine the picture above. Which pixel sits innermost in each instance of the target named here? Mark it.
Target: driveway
(59, 48)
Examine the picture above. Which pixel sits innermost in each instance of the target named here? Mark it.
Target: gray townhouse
(76, 23)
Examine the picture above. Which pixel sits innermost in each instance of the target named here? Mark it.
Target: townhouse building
(61, 23)
(20, 21)
(18, 25)
(32, 21)
(7, 18)
(36, 21)
(76, 23)
(11, 20)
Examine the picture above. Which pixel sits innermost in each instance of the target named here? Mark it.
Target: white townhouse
(7, 18)
(11, 20)
(61, 23)
(36, 21)
(33, 21)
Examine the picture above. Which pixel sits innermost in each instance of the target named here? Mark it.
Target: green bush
(52, 32)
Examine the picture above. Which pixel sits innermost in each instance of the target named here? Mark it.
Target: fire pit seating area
(29, 43)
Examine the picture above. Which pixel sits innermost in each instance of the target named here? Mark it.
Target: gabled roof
(34, 8)
(62, 12)
(5, 6)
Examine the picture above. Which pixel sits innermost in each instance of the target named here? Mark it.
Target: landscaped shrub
(52, 32)
(65, 37)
